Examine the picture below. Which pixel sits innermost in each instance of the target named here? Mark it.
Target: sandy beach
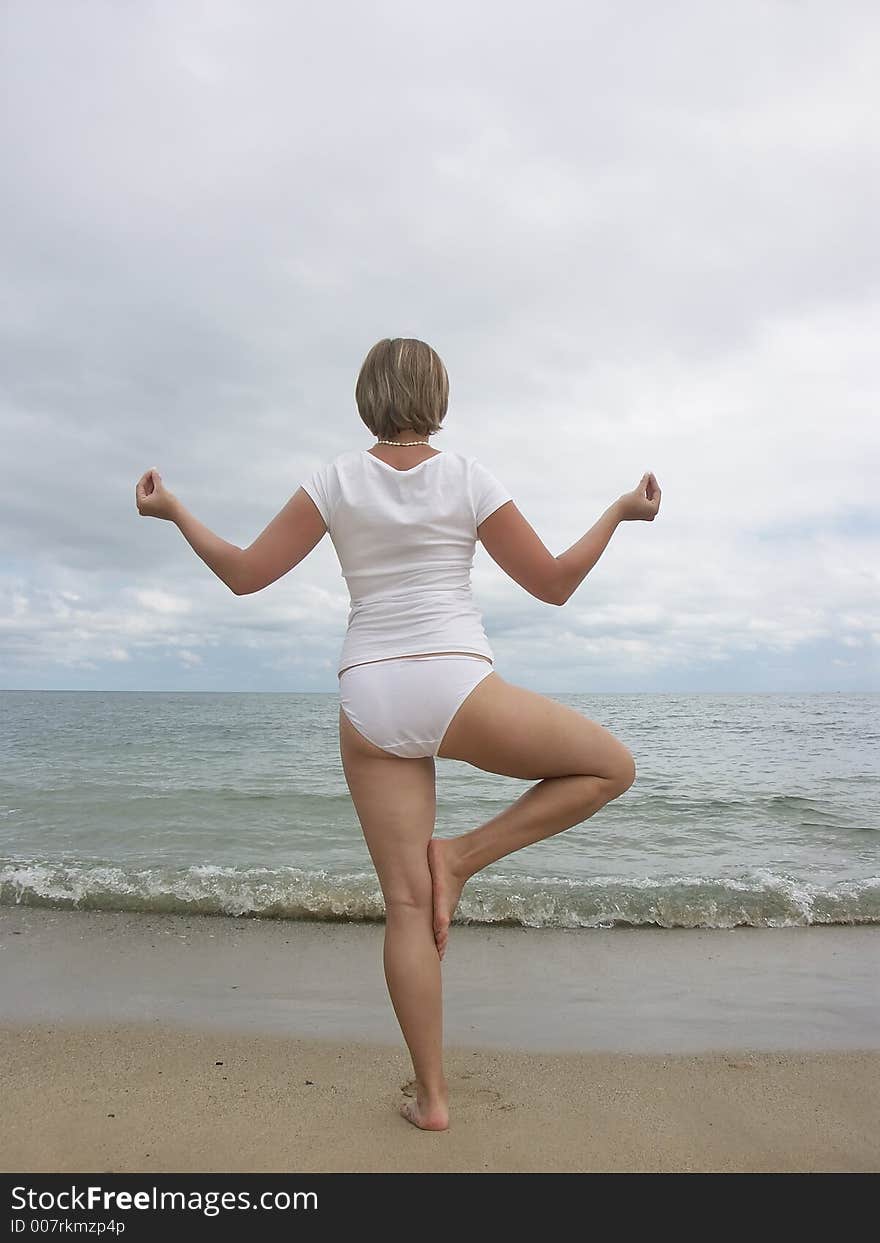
(133, 1042)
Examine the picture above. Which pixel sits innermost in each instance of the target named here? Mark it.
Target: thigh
(507, 729)
(396, 804)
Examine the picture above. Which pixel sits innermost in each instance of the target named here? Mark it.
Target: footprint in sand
(486, 1096)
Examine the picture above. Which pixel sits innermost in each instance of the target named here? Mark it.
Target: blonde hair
(402, 386)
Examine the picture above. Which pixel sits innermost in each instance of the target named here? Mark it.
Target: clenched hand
(643, 503)
(152, 497)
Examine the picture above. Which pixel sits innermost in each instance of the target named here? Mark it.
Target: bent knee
(624, 773)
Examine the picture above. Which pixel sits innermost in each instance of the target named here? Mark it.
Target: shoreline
(144, 1043)
(531, 990)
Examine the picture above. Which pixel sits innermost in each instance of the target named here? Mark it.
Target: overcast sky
(641, 236)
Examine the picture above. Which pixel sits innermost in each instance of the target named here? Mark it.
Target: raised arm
(287, 540)
(514, 544)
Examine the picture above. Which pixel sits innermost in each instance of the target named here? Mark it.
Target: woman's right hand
(643, 503)
(152, 497)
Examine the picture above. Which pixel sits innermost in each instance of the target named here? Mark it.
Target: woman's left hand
(153, 498)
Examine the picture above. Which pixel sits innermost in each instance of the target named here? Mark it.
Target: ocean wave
(759, 899)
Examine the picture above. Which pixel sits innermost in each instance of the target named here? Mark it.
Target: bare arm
(514, 544)
(574, 565)
(287, 540)
(223, 558)
(289, 537)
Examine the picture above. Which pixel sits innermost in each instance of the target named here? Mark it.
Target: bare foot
(426, 1118)
(447, 887)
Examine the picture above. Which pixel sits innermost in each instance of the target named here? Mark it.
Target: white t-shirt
(405, 541)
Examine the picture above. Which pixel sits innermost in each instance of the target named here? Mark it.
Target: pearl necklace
(403, 443)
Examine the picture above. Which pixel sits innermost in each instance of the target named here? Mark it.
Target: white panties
(405, 705)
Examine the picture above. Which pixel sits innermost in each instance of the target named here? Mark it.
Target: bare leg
(506, 729)
(396, 804)
(412, 972)
(554, 804)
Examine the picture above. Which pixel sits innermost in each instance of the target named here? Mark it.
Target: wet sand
(134, 1042)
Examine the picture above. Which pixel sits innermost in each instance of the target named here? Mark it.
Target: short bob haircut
(402, 387)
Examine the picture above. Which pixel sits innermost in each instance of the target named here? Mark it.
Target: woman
(416, 673)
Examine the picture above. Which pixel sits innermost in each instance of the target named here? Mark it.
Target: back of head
(402, 387)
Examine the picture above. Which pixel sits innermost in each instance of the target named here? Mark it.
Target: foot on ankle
(447, 886)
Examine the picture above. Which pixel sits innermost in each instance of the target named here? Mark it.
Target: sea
(758, 810)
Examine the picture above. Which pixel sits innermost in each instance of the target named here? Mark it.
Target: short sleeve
(487, 493)
(318, 488)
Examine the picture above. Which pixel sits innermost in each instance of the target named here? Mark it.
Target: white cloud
(159, 601)
(640, 237)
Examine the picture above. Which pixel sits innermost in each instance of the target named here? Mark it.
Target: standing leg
(395, 801)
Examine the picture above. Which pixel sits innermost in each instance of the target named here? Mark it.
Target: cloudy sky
(641, 236)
